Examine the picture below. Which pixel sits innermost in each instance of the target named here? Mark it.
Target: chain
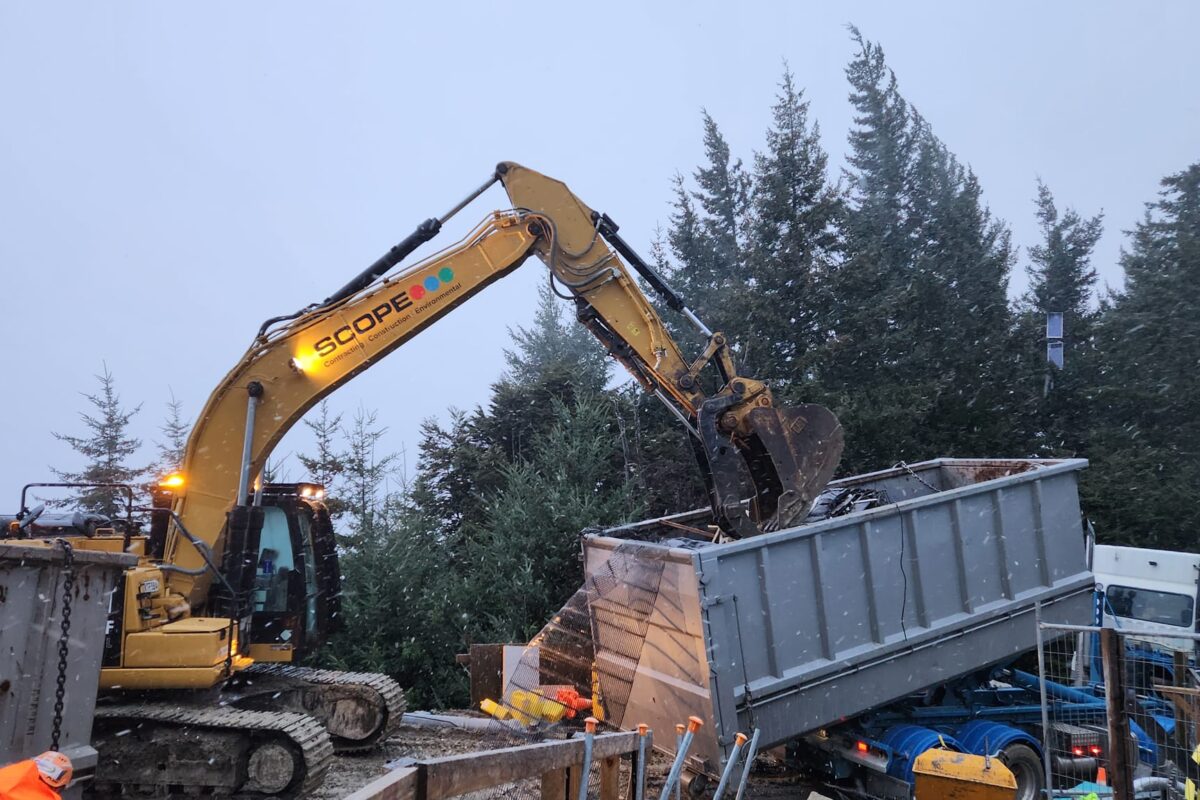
(61, 688)
(902, 465)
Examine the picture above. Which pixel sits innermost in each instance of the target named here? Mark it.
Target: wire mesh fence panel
(1158, 698)
(1074, 716)
(1160, 690)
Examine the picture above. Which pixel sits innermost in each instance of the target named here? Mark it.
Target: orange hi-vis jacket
(25, 781)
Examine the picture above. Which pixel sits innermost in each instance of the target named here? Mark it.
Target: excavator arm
(787, 454)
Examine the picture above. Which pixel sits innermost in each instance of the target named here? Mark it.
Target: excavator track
(171, 750)
(360, 710)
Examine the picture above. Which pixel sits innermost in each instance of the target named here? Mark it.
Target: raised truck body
(904, 585)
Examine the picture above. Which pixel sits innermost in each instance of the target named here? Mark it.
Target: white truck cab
(1151, 591)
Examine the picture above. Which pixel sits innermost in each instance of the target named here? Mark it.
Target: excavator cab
(291, 587)
(296, 600)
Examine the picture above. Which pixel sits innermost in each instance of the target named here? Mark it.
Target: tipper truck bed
(900, 581)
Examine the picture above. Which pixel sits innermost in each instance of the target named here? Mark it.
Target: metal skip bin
(796, 630)
(31, 611)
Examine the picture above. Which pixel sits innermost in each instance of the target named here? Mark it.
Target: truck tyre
(1026, 766)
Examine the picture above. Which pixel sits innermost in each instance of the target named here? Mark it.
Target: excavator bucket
(791, 454)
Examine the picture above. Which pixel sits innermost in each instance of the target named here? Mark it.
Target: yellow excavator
(239, 577)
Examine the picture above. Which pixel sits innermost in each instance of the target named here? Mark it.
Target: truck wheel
(1026, 767)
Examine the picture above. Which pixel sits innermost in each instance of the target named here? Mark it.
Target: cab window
(1148, 605)
(276, 562)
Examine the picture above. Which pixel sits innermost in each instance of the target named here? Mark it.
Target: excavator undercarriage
(358, 709)
(163, 749)
(271, 731)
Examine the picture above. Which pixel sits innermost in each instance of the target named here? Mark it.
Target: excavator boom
(787, 454)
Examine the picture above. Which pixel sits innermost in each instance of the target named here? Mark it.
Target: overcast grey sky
(174, 173)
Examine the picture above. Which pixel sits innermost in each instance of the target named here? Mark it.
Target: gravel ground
(349, 773)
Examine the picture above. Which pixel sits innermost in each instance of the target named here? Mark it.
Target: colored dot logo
(431, 284)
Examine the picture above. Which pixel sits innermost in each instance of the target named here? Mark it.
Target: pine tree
(524, 563)
(458, 467)
(1061, 275)
(173, 447)
(792, 238)
(553, 343)
(706, 237)
(366, 474)
(327, 464)
(1145, 444)
(1062, 279)
(107, 448)
(401, 607)
(662, 460)
(916, 320)
(863, 359)
(553, 360)
(959, 319)
(723, 195)
(880, 159)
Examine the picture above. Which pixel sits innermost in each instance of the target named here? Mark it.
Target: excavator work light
(173, 481)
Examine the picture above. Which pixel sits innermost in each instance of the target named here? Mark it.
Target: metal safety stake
(589, 733)
(694, 724)
(639, 779)
(679, 729)
(751, 752)
(730, 765)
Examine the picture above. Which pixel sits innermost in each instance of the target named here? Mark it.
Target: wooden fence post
(575, 777)
(554, 784)
(1112, 654)
(610, 778)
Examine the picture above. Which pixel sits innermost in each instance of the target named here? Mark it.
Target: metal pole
(444, 218)
(687, 423)
(639, 779)
(679, 729)
(694, 724)
(589, 733)
(700, 326)
(731, 764)
(255, 389)
(1037, 617)
(751, 753)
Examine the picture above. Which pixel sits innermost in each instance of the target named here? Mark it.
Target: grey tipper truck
(901, 583)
